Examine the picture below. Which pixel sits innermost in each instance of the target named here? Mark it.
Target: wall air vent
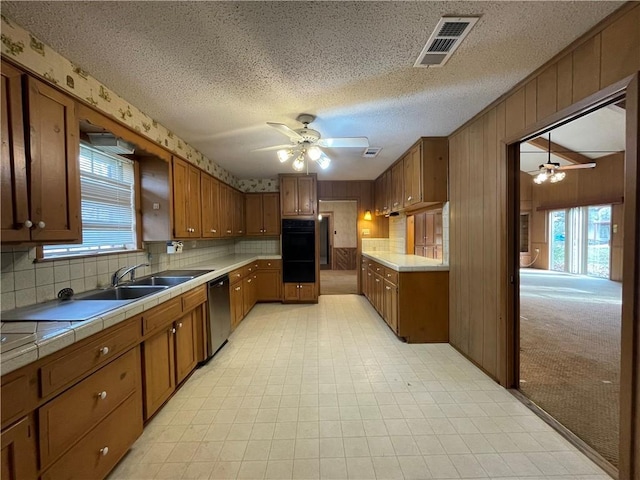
(371, 152)
(445, 39)
(109, 143)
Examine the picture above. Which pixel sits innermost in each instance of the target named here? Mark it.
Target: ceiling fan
(553, 171)
(307, 143)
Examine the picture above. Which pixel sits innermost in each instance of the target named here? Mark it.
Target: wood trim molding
(582, 203)
(558, 150)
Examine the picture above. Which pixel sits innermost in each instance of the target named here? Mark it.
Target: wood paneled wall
(478, 180)
(601, 185)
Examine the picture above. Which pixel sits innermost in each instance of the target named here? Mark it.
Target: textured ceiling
(215, 72)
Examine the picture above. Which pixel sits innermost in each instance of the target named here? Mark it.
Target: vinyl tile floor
(328, 391)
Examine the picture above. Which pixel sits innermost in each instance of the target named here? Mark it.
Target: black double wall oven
(298, 251)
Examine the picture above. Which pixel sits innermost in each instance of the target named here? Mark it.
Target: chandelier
(301, 154)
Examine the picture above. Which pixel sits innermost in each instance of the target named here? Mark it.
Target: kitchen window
(107, 185)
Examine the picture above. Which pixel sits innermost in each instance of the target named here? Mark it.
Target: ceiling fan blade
(577, 166)
(344, 142)
(283, 129)
(275, 147)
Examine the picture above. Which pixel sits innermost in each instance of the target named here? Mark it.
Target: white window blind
(108, 205)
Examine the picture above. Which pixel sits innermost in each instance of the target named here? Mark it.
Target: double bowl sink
(96, 302)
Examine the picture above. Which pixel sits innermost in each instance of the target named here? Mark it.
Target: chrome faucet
(119, 274)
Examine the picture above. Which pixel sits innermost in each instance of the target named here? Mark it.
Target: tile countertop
(406, 263)
(27, 342)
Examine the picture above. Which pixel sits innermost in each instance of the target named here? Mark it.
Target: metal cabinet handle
(180, 325)
(104, 451)
(249, 281)
(102, 395)
(387, 287)
(28, 224)
(41, 224)
(409, 198)
(104, 350)
(237, 289)
(173, 330)
(213, 230)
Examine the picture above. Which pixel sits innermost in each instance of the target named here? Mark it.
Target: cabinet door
(210, 190)
(181, 215)
(271, 213)
(186, 346)
(289, 195)
(291, 291)
(420, 235)
(13, 202)
(195, 219)
(306, 195)
(413, 176)
(378, 287)
(307, 292)
(397, 177)
(429, 228)
(378, 188)
(253, 214)
(53, 154)
(18, 459)
(159, 370)
(247, 294)
(238, 215)
(268, 285)
(236, 304)
(387, 192)
(391, 305)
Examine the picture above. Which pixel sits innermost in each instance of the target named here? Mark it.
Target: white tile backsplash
(398, 234)
(24, 282)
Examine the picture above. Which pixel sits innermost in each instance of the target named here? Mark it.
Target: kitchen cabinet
(40, 203)
(300, 292)
(269, 282)
(238, 213)
(171, 345)
(393, 294)
(186, 200)
(378, 189)
(248, 293)
(298, 195)
(210, 192)
(226, 210)
(262, 214)
(412, 174)
(18, 460)
(237, 304)
(428, 234)
(397, 186)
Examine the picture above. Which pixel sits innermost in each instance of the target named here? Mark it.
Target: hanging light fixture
(548, 170)
(284, 154)
(367, 215)
(301, 153)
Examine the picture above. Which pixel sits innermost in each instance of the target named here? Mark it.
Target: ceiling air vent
(445, 39)
(371, 152)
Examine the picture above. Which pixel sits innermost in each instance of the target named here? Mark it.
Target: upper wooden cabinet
(298, 195)
(42, 203)
(418, 179)
(186, 200)
(262, 213)
(238, 213)
(210, 192)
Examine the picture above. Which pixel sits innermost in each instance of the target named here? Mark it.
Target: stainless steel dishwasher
(219, 315)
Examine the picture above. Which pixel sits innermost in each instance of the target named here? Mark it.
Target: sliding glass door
(579, 240)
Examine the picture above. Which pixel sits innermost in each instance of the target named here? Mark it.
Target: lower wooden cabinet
(237, 304)
(95, 454)
(187, 343)
(269, 281)
(158, 368)
(300, 292)
(393, 294)
(18, 460)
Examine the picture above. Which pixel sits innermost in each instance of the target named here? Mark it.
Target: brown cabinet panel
(306, 195)
(193, 298)
(289, 195)
(271, 213)
(238, 213)
(161, 316)
(95, 455)
(65, 370)
(186, 200)
(253, 212)
(158, 366)
(236, 301)
(53, 157)
(186, 347)
(413, 176)
(269, 285)
(390, 308)
(18, 460)
(307, 292)
(397, 178)
(14, 202)
(65, 419)
(298, 195)
(210, 191)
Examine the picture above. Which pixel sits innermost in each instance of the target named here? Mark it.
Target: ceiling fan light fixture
(324, 162)
(541, 178)
(284, 155)
(298, 164)
(557, 177)
(314, 153)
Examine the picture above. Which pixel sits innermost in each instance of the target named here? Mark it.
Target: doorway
(569, 295)
(326, 240)
(338, 247)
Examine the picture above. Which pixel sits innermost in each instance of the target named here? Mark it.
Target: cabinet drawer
(235, 275)
(98, 452)
(162, 315)
(250, 269)
(391, 275)
(269, 264)
(192, 299)
(377, 268)
(75, 412)
(63, 371)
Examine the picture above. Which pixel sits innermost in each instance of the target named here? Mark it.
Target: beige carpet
(338, 282)
(570, 353)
